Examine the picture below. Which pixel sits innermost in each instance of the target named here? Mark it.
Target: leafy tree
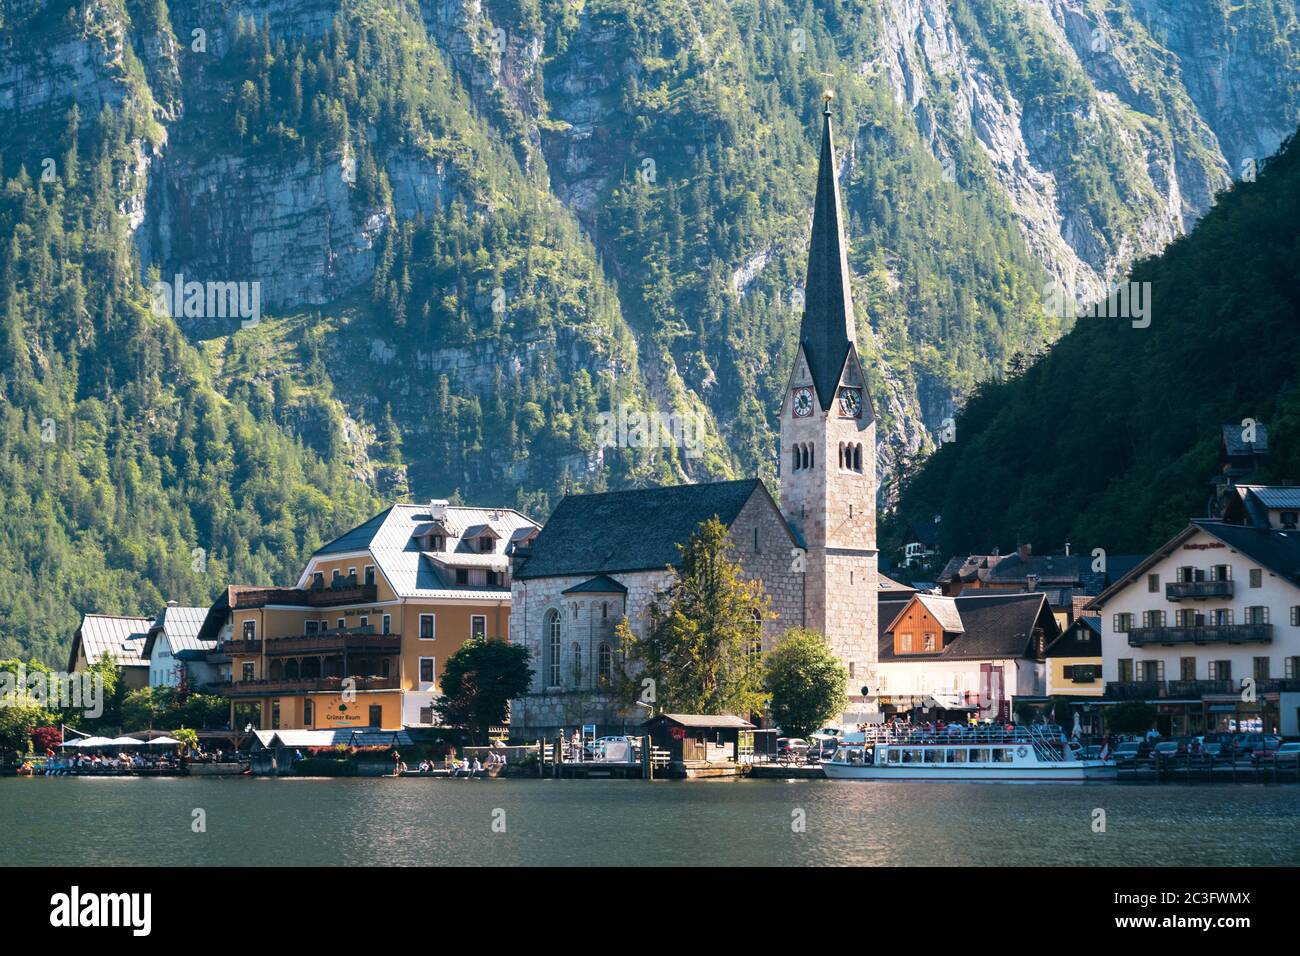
(806, 682)
(1130, 717)
(143, 708)
(703, 630)
(19, 717)
(479, 681)
(189, 739)
(46, 738)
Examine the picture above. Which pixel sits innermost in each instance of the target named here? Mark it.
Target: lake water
(270, 821)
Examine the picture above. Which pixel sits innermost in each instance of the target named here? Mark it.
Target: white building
(969, 655)
(173, 644)
(1208, 627)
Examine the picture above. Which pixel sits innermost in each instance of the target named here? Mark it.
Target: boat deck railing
(1046, 739)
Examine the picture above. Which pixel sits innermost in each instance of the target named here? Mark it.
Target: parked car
(1214, 750)
(1131, 751)
(1248, 744)
(1166, 749)
(1274, 751)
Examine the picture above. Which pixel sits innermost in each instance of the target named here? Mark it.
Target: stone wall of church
(765, 550)
(586, 620)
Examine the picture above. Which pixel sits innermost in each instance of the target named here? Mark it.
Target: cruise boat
(1003, 755)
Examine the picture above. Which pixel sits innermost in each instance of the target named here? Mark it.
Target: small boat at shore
(1004, 755)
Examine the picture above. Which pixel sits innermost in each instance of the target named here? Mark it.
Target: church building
(605, 556)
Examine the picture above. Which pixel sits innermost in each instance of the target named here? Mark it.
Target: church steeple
(827, 329)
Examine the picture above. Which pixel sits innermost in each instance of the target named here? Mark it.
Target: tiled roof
(1071, 644)
(944, 610)
(358, 737)
(1235, 445)
(1277, 496)
(1276, 551)
(182, 626)
(889, 584)
(997, 626)
(389, 537)
(633, 530)
(122, 638)
(600, 584)
(708, 720)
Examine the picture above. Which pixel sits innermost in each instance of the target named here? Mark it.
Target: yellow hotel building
(361, 639)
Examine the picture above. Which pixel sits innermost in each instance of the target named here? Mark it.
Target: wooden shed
(693, 738)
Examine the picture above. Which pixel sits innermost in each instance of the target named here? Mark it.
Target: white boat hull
(1073, 771)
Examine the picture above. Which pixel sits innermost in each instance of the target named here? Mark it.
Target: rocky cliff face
(1101, 130)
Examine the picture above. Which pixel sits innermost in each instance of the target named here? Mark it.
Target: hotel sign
(1206, 546)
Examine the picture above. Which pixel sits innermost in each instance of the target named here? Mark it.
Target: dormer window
(437, 542)
(462, 576)
(485, 544)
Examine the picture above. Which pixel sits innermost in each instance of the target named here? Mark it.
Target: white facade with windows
(1212, 615)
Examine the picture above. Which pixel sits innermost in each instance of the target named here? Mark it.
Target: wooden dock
(1202, 770)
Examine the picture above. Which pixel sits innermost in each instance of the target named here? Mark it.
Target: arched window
(552, 631)
(794, 456)
(577, 664)
(857, 457)
(605, 662)
(841, 455)
(812, 455)
(756, 635)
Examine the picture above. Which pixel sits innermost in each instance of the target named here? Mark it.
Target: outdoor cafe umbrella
(89, 742)
(163, 741)
(124, 742)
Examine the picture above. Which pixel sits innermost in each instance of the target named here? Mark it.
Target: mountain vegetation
(477, 227)
(1110, 440)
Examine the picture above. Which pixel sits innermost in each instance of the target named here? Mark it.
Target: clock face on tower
(803, 402)
(850, 402)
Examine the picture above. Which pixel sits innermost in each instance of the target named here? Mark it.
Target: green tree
(143, 708)
(703, 629)
(188, 738)
(19, 716)
(478, 683)
(1130, 717)
(806, 682)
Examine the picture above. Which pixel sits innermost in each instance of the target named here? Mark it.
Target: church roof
(600, 584)
(635, 530)
(827, 330)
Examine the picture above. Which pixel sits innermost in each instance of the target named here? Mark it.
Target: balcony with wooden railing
(304, 685)
(1197, 590)
(346, 591)
(346, 640)
(1201, 634)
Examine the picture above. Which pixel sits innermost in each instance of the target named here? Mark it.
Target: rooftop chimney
(438, 509)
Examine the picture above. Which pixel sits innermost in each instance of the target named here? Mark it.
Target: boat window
(1001, 755)
(893, 755)
(979, 756)
(933, 755)
(956, 756)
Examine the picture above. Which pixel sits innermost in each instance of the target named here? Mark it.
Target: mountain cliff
(472, 227)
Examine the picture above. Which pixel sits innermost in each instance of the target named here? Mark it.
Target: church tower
(828, 448)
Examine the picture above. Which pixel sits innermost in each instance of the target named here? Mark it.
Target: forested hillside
(475, 226)
(1111, 439)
